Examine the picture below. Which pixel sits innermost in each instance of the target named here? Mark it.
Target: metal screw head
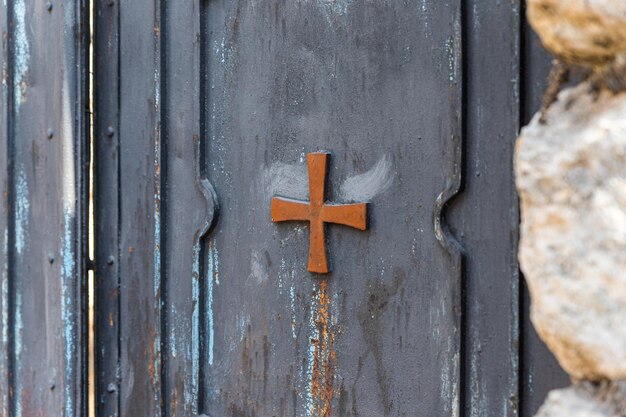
(51, 258)
(50, 133)
(110, 131)
(49, 6)
(110, 260)
(111, 388)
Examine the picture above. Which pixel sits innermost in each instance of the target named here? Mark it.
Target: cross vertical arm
(318, 165)
(318, 262)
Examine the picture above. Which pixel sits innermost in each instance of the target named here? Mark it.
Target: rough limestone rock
(586, 400)
(583, 32)
(571, 177)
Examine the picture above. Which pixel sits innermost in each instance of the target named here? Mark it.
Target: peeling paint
(68, 286)
(18, 337)
(292, 304)
(22, 211)
(244, 320)
(22, 53)
(212, 278)
(68, 174)
(336, 7)
(172, 341)
(289, 274)
(155, 353)
(5, 316)
(451, 54)
(195, 328)
(322, 357)
(5, 291)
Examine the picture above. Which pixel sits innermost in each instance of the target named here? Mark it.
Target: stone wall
(571, 177)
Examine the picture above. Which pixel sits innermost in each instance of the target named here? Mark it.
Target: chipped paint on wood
(44, 84)
(322, 356)
(18, 341)
(4, 400)
(68, 154)
(68, 315)
(334, 9)
(289, 274)
(21, 54)
(377, 83)
(213, 274)
(22, 211)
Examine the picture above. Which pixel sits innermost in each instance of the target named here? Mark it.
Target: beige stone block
(571, 177)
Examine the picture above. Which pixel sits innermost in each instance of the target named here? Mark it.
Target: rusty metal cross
(318, 212)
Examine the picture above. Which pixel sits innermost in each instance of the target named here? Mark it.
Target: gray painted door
(207, 311)
(205, 110)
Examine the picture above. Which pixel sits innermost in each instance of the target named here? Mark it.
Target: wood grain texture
(214, 313)
(292, 78)
(44, 150)
(107, 209)
(484, 217)
(6, 183)
(142, 166)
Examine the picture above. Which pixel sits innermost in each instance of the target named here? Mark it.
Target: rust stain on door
(324, 356)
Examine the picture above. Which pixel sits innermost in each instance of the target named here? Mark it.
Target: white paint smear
(287, 180)
(258, 267)
(292, 181)
(368, 185)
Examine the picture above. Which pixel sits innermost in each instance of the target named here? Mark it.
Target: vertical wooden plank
(150, 197)
(141, 185)
(453, 154)
(5, 208)
(190, 206)
(107, 203)
(539, 369)
(371, 82)
(45, 139)
(485, 215)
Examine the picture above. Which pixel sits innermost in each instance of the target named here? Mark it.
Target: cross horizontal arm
(286, 209)
(353, 215)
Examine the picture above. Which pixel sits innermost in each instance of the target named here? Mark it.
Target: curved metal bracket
(208, 192)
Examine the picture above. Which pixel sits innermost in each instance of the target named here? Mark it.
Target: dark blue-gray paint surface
(423, 310)
(208, 103)
(44, 155)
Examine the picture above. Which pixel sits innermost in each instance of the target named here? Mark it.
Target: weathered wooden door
(205, 111)
(208, 109)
